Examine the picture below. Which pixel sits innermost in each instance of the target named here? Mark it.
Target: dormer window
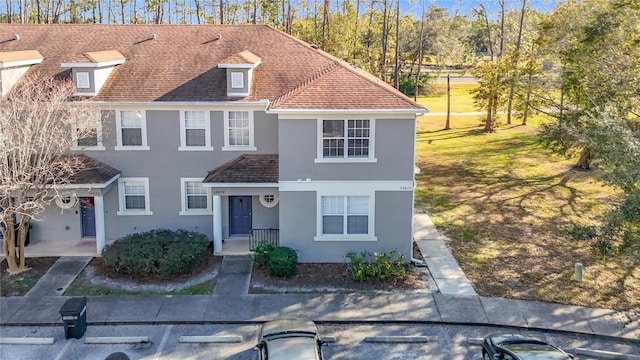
(237, 80)
(13, 64)
(240, 72)
(91, 70)
(82, 80)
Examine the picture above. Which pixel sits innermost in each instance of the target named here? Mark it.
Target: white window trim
(183, 199)
(207, 133)
(143, 125)
(372, 146)
(121, 197)
(227, 147)
(345, 237)
(263, 200)
(99, 147)
(237, 80)
(83, 80)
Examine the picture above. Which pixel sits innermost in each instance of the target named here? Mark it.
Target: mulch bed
(325, 277)
(20, 284)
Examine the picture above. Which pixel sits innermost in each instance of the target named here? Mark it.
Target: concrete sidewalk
(456, 303)
(443, 266)
(358, 308)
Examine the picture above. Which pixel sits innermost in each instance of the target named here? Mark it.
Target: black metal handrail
(271, 236)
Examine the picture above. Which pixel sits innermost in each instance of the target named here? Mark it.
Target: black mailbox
(74, 317)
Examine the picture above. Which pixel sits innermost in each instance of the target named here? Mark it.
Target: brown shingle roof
(258, 168)
(181, 64)
(91, 171)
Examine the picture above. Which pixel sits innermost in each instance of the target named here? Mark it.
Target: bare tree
(38, 125)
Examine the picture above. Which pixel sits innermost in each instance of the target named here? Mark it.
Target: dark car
(520, 347)
(289, 339)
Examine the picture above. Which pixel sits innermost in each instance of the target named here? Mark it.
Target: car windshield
(535, 351)
(292, 348)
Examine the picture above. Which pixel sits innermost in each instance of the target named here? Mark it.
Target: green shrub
(262, 251)
(156, 253)
(376, 266)
(283, 261)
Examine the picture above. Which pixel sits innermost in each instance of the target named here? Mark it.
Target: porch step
(234, 275)
(235, 246)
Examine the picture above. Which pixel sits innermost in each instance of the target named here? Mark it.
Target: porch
(57, 248)
(233, 245)
(242, 245)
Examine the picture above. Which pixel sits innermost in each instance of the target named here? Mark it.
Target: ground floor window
(195, 197)
(345, 215)
(134, 196)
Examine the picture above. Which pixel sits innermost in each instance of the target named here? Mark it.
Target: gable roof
(180, 63)
(254, 168)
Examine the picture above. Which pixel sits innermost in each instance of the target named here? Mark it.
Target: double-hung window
(134, 196)
(345, 216)
(195, 197)
(132, 130)
(349, 140)
(88, 136)
(195, 131)
(238, 131)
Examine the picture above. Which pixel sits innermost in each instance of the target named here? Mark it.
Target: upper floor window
(350, 139)
(195, 130)
(88, 137)
(134, 196)
(131, 126)
(237, 80)
(195, 197)
(238, 131)
(82, 80)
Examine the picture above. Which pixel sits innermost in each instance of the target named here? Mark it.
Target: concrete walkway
(59, 277)
(234, 275)
(442, 265)
(456, 303)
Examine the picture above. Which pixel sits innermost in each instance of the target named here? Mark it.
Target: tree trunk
(355, 35)
(515, 63)
(396, 63)
(385, 39)
(38, 12)
(57, 11)
(417, 84)
(488, 125)
(325, 23)
(447, 125)
(221, 12)
(584, 162)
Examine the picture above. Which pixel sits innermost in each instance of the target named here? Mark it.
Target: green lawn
(461, 99)
(506, 203)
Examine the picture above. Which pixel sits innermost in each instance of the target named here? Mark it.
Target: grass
(81, 286)
(506, 202)
(461, 99)
(20, 284)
